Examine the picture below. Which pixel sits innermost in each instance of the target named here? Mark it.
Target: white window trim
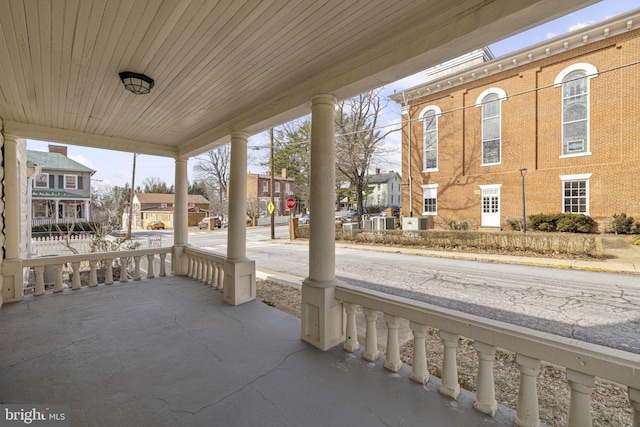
(438, 113)
(46, 181)
(75, 180)
(592, 72)
(577, 177)
(502, 96)
(430, 187)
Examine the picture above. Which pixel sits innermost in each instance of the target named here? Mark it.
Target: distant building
(149, 207)
(283, 188)
(383, 190)
(60, 187)
(565, 109)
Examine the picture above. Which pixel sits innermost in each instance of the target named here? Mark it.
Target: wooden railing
(206, 267)
(57, 264)
(583, 361)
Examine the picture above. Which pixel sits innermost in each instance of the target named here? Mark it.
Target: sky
(114, 168)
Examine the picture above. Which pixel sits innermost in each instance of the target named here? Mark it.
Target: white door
(490, 206)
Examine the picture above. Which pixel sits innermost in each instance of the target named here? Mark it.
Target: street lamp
(523, 171)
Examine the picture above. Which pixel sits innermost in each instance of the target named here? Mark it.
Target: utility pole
(273, 229)
(133, 182)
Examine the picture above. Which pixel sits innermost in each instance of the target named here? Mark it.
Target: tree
(255, 208)
(108, 203)
(153, 184)
(359, 142)
(213, 171)
(198, 187)
(291, 150)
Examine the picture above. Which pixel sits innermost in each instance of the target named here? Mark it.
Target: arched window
(490, 101)
(429, 117)
(574, 81)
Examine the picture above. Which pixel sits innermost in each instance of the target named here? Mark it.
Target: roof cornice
(614, 26)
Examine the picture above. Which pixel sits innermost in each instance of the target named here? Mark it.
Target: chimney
(284, 172)
(377, 171)
(390, 171)
(60, 149)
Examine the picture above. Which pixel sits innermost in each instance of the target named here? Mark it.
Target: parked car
(217, 223)
(155, 225)
(304, 219)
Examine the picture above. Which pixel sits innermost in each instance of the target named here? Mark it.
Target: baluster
(150, 266)
(634, 399)
(190, 266)
(419, 371)
(527, 414)
(57, 284)
(136, 268)
(93, 273)
(580, 407)
(392, 361)
(449, 385)
(75, 281)
(485, 393)
(213, 274)
(200, 271)
(108, 271)
(163, 268)
(39, 273)
(220, 276)
(208, 278)
(124, 262)
(351, 344)
(371, 351)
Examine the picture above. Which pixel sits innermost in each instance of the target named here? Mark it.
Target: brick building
(283, 188)
(565, 109)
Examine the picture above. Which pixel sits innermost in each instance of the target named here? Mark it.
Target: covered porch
(169, 351)
(188, 343)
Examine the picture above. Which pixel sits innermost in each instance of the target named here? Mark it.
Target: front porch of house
(168, 351)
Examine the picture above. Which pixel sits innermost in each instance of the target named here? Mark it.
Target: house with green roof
(60, 188)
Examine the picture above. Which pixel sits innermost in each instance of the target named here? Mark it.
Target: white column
(237, 235)
(322, 314)
(11, 266)
(180, 212)
(87, 210)
(239, 272)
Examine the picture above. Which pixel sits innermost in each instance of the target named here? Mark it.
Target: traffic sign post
(291, 205)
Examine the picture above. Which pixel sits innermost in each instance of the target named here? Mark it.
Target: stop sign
(291, 203)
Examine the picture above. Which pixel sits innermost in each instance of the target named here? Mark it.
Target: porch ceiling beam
(62, 136)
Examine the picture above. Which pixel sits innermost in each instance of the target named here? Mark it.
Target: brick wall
(532, 137)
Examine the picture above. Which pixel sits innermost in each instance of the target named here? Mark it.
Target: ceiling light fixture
(136, 83)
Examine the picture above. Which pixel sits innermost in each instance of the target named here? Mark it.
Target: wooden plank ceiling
(221, 65)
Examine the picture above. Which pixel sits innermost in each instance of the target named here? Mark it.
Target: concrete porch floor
(170, 352)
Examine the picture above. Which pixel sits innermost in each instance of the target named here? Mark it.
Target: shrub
(514, 223)
(564, 222)
(620, 224)
(635, 240)
(463, 225)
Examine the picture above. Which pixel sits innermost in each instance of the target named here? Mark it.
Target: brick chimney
(60, 149)
(377, 171)
(284, 172)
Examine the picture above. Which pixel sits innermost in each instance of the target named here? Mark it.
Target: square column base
(239, 281)
(12, 286)
(323, 318)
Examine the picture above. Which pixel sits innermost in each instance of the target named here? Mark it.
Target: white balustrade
(53, 268)
(583, 361)
(204, 266)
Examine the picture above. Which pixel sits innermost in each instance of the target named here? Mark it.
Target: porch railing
(206, 267)
(65, 220)
(130, 262)
(583, 361)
